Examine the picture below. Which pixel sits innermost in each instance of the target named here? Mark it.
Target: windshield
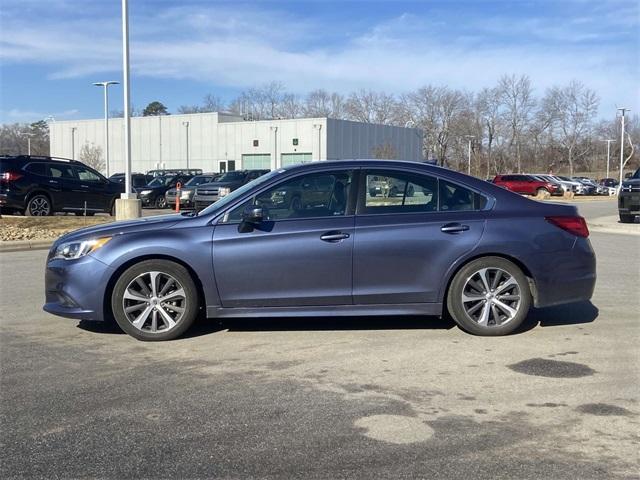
(159, 181)
(199, 180)
(637, 174)
(231, 177)
(226, 200)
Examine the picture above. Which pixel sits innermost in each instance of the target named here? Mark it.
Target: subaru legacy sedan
(457, 245)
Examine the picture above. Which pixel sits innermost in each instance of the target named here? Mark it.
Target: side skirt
(427, 309)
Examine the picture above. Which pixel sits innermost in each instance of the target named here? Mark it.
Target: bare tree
(13, 138)
(572, 110)
(320, 103)
(91, 155)
(517, 98)
(371, 107)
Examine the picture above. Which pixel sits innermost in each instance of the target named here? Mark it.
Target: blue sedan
(312, 240)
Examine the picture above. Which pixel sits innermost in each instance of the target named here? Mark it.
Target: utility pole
(470, 137)
(106, 121)
(608, 155)
(622, 113)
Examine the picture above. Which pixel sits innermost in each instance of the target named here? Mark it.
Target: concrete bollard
(543, 195)
(568, 195)
(128, 208)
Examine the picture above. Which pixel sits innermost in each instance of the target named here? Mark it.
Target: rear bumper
(11, 201)
(629, 203)
(572, 279)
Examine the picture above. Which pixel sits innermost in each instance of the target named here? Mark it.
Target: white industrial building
(221, 142)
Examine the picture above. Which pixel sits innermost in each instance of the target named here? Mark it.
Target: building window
(256, 143)
(295, 142)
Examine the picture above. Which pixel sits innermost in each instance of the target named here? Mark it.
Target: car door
(405, 244)
(95, 188)
(65, 187)
(298, 256)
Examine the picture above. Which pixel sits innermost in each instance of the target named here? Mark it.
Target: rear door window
(456, 198)
(61, 171)
(399, 192)
(36, 169)
(87, 175)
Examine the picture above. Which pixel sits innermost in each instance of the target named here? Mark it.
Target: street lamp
(73, 142)
(608, 154)
(105, 85)
(470, 137)
(622, 112)
(186, 126)
(28, 135)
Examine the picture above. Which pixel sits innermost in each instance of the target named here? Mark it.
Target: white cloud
(240, 47)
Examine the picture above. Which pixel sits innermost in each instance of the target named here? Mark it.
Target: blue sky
(52, 50)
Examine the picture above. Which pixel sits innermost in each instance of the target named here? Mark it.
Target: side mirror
(253, 214)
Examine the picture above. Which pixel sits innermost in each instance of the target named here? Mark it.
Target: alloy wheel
(39, 207)
(154, 302)
(491, 297)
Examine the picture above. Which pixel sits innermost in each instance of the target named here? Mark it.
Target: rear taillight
(574, 225)
(7, 177)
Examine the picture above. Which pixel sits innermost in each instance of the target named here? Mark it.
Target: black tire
(464, 320)
(624, 218)
(179, 273)
(372, 193)
(112, 210)
(161, 202)
(39, 205)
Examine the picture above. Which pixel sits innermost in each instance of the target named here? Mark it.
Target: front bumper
(76, 288)
(629, 203)
(204, 200)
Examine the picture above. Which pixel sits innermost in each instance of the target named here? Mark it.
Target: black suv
(629, 198)
(152, 194)
(38, 186)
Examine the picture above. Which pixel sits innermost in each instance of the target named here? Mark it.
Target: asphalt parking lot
(326, 397)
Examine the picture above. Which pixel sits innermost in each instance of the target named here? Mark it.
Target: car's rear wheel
(489, 296)
(624, 218)
(155, 300)
(38, 206)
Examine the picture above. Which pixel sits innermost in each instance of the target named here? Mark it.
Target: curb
(23, 245)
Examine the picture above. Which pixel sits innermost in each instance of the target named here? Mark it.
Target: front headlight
(222, 191)
(145, 192)
(73, 250)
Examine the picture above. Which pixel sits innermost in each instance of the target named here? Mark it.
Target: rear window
(36, 169)
(60, 171)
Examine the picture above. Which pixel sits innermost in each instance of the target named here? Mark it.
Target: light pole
(128, 194)
(608, 155)
(186, 126)
(470, 137)
(105, 85)
(73, 143)
(28, 135)
(622, 112)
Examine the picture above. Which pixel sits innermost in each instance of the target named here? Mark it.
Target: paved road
(325, 398)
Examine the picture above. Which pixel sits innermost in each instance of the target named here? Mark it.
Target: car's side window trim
(350, 212)
(361, 209)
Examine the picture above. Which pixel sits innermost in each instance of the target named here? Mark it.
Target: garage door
(293, 158)
(256, 161)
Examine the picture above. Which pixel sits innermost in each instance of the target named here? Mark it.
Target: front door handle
(454, 228)
(334, 237)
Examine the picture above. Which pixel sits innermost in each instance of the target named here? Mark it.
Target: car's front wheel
(155, 300)
(489, 296)
(624, 218)
(161, 202)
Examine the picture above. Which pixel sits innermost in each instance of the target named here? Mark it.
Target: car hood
(218, 184)
(155, 188)
(183, 189)
(635, 182)
(124, 226)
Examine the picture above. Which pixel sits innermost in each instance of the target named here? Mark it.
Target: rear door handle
(454, 228)
(334, 237)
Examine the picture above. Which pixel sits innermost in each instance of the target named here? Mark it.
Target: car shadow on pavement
(569, 314)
